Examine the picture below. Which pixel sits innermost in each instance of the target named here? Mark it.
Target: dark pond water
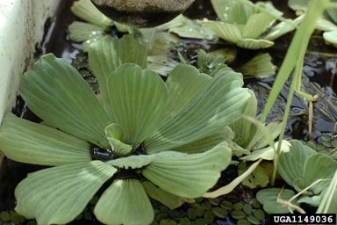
(318, 78)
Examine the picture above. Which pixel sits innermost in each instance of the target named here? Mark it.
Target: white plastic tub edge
(21, 28)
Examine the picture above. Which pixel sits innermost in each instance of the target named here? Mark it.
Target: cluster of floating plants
(133, 132)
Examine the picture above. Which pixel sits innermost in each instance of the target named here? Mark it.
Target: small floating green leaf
(268, 198)
(121, 198)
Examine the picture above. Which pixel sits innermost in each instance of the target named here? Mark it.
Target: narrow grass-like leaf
(57, 195)
(170, 200)
(183, 85)
(225, 31)
(220, 103)
(124, 202)
(295, 52)
(291, 165)
(138, 99)
(328, 203)
(57, 93)
(29, 142)
(188, 175)
(79, 31)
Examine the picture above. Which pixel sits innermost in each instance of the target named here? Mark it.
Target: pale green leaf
(138, 99)
(268, 198)
(256, 25)
(311, 200)
(254, 43)
(228, 188)
(124, 202)
(129, 50)
(132, 162)
(260, 66)
(57, 93)
(119, 147)
(160, 55)
(29, 142)
(57, 195)
(222, 8)
(79, 31)
(282, 28)
(170, 200)
(161, 64)
(259, 139)
(332, 13)
(114, 131)
(176, 22)
(208, 62)
(204, 144)
(107, 54)
(331, 37)
(268, 8)
(298, 5)
(188, 175)
(85, 10)
(241, 11)
(244, 129)
(291, 165)
(184, 84)
(258, 178)
(114, 134)
(267, 153)
(225, 31)
(192, 29)
(220, 103)
(326, 170)
(325, 25)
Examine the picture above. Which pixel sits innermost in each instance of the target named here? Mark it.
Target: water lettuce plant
(248, 25)
(313, 184)
(138, 137)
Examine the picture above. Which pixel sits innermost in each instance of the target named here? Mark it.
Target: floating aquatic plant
(326, 22)
(313, 183)
(139, 137)
(248, 25)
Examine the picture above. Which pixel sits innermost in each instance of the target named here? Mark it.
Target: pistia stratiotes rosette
(141, 137)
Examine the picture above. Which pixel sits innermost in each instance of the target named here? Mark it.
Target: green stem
(296, 50)
(284, 123)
